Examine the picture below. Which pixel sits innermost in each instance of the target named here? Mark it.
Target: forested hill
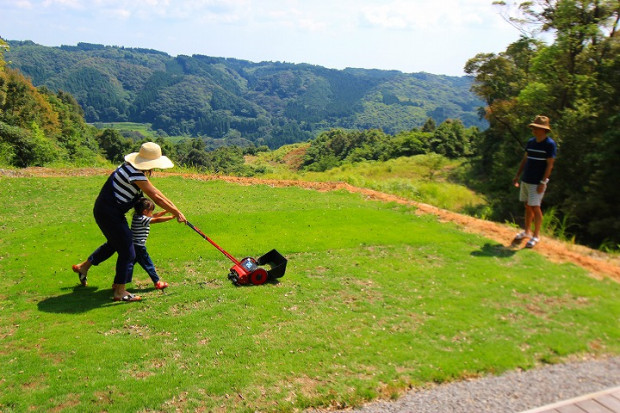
(270, 103)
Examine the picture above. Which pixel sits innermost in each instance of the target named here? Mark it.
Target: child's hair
(142, 204)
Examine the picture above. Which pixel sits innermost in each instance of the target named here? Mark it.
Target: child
(143, 217)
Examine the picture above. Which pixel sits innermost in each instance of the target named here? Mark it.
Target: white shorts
(529, 194)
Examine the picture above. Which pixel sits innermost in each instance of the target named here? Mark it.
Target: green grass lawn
(375, 299)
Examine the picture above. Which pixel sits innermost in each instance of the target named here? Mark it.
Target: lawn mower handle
(230, 257)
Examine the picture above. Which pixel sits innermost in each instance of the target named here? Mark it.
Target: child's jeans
(143, 258)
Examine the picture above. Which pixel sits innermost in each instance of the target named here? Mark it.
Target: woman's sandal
(76, 269)
(160, 285)
(532, 242)
(129, 298)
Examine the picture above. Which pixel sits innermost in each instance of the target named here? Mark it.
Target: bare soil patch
(597, 263)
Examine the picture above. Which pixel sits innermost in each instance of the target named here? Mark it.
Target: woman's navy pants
(112, 222)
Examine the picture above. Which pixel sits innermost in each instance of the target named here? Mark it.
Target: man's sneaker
(521, 235)
(532, 242)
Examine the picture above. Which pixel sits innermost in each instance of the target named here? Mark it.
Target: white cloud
(445, 15)
(221, 11)
(72, 4)
(292, 18)
(210, 10)
(312, 25)
(118, 13)
(21, 4)
(333, 33)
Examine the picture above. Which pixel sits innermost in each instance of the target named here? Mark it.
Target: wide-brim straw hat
(541, 122)
(149, 157)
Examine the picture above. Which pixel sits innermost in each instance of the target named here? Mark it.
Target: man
(536, 166)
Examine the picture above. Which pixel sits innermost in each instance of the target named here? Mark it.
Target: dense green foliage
(267, 103)
(75, 142)
(575, 80)
(38, 127)
(227, 160)
(335, 147)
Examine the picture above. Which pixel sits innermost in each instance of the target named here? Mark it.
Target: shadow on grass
(272, 282)
(79, 300)
(495, 250)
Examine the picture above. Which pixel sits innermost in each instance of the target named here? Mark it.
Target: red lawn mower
(248, 270)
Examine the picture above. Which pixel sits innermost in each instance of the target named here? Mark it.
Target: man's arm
(550, 162)
(545, 179)
(515, 180)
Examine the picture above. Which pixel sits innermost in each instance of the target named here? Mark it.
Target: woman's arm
(156, 220)
(160, 199)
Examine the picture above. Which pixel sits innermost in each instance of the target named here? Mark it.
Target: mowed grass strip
(375, 299)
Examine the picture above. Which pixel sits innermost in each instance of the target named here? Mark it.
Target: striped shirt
(140, 227)
(537, 155)
(125, 190)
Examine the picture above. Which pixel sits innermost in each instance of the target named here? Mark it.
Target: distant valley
(265, 103)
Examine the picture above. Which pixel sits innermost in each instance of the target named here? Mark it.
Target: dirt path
(597, 263)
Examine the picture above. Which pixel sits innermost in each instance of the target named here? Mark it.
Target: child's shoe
(160, 285)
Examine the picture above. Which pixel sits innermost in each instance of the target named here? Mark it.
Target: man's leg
(529, 217)
(538, 216)
(534, 201)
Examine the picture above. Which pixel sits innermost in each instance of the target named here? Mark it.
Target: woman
(118, 195)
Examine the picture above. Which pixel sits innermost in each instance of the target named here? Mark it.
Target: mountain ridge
(272, 103)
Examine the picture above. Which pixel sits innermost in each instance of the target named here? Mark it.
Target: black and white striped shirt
(140, 227)
(125, 190)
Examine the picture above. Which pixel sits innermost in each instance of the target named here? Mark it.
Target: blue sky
(434, 36)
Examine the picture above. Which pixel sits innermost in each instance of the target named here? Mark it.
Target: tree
(574, 80)
(451, 140)
(410, 143)
(429, 125)
(113, 145)
(4, 47)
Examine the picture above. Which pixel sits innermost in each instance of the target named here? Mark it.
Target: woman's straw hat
(149, 157)
(541, 122)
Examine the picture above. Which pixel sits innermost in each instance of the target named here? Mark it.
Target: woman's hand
(181, 217)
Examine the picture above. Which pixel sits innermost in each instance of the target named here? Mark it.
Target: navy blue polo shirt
(537, 155)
